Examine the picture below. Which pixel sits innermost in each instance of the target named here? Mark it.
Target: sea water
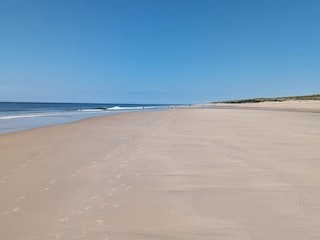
(15, 116)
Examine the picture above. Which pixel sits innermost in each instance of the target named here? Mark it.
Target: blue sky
(158, 51)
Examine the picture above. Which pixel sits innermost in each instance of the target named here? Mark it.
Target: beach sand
(174, 174)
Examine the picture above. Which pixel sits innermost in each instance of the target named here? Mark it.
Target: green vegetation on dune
(277, 99)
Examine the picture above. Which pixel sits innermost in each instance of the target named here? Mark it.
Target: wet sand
(175, 174)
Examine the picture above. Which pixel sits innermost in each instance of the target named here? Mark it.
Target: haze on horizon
(158, 51)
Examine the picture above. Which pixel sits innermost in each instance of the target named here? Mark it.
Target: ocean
(16, 116)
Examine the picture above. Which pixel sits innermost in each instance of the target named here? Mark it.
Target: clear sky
(158, 51)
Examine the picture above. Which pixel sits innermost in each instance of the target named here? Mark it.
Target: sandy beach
(301, 106)
(173, 174)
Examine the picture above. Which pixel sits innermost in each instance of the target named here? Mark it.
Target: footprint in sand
(110, 181)
(5, 213)
(102, 206)
(71, 176)
(80, 212)
(20, 198)
(65, 219)
(94, 197)
(99, 221)
(123, 165)
(58, 235)
(52, 181)
(16, 209)
(93, 164)
(87, 208)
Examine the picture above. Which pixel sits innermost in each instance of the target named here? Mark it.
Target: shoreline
(15, 116)
(26, 123)
(177, 174)
(16, 125)
(22, 124)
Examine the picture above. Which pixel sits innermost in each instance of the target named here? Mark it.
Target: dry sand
(175, 174)
(302, 105)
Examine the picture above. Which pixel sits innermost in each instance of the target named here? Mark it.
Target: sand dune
(175, 174)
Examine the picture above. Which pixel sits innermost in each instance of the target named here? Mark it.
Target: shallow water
(16, 116)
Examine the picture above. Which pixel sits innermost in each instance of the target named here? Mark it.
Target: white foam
(91, 110)
(33, 115)
(51, 114)
(22, 116)
(131, 108)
